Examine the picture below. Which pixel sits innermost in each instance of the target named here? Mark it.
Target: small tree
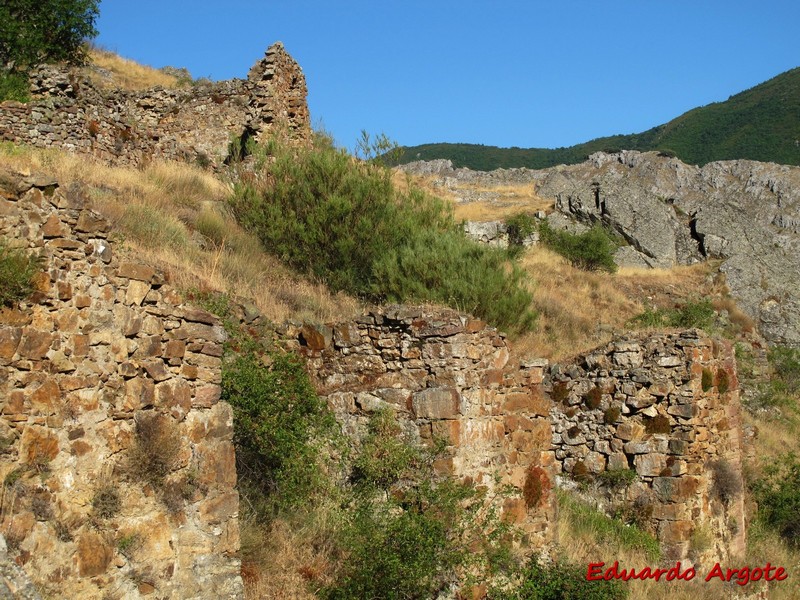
(37, 31)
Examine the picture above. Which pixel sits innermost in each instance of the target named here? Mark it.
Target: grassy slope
(762, 123)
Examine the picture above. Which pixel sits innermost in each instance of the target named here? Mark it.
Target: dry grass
(173, 215)
(286, 561)
(580, 310)
(507, 200)
(126, 74)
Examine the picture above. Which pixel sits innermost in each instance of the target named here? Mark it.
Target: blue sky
(505, 73)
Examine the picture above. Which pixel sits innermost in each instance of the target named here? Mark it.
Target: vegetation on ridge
(757, 124)
(346, 223)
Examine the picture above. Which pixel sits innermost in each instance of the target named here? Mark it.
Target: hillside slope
(762, 123)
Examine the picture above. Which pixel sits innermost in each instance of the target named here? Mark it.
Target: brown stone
(514, 510)
(219, 509)
(174, 349)
(9, 340)
(138, 272)
(449, 430)
(436, 403)
(139, 393)
(316, 337)
(197, 315)
(156, 369)
(195, 331)
(90, 222)
(207, 395)
(94, 554)
(189, 371)
(137, 290)
(38, 445)
(80, 448)
(630, 430)
(671, 532)
(216, 463)
(53, 227)
(34, 344)
(47, 397)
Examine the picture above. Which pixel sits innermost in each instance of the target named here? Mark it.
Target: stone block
(650, 465)
(9, 341)
(630, 430)
(136, 272)
(617, 461)
(139, 393)
(436, 403)
(137, 290)
(94, 554)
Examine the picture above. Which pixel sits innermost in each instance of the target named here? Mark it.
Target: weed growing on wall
(17, 270)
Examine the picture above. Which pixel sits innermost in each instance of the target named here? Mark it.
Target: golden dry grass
(125, 73)
(511, 199)
(579, 310)
(173, 215)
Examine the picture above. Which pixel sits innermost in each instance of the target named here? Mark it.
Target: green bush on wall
(17, 270)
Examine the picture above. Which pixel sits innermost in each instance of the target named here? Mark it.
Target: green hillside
(762, 123)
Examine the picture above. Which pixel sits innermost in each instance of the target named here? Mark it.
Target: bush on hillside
(561, 580)
(592, 250)
(344, 222)
(778, 497)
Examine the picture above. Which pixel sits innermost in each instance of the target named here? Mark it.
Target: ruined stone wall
(128, 128)
(447, 375)
(667, 407)
(104, 349)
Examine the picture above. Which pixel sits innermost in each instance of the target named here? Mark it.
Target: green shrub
(17, 270)
(786, 363)
(587, 518)
(385, 456)
(519, 227)
(725, 481)
(278, 425)
(778, 497)
(616, 478)
(106, 502)
(707, 379)
(154, 453)
(698, 314)
(611, 415)
(592, 250)
(344, 222)
(14, 86)
(561, 580)
(593, 398)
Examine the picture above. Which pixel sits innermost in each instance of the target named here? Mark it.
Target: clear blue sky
(505, 73)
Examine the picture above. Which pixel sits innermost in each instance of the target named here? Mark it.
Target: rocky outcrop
(447, 376)
(117, 461)
(495, 233)
(665, 406)
(194, 124)
(745, 213)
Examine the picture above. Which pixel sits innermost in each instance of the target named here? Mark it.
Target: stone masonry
(103, 349)
(195, 124)
(667, 407)
(446, 375)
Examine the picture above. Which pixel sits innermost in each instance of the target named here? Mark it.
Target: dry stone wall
(117, 459)
(128, 128)
(661, 408)
(447, 376)
(667, 407)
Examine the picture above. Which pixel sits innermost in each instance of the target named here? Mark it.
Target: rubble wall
(104, 349)
(195, 123)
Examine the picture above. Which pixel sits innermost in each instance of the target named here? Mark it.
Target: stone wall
(446, 375)
(128, 128)
(666, 406)
(104, 371)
